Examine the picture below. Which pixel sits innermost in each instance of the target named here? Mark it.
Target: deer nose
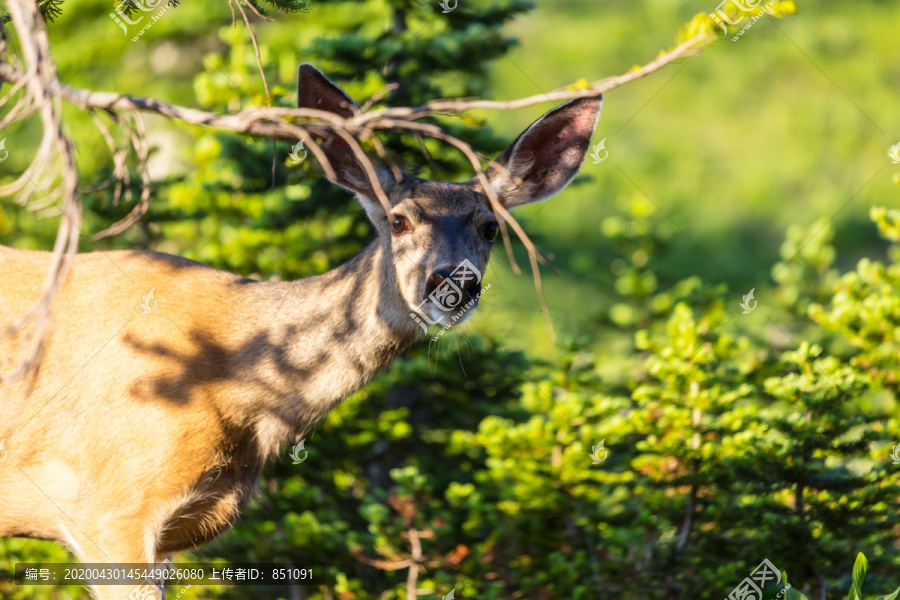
(449, 294)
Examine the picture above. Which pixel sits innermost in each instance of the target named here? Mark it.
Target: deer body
(193, 401)
(145, 429)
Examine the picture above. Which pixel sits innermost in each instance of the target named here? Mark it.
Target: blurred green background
(758, 164)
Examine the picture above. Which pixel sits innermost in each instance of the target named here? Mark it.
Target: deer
(148, 421)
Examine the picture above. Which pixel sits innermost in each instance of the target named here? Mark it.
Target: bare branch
(256, 11)
(139, 142)
(368, 167)
(269, 122)
(262, 72)
(28, 329)
(687, 48)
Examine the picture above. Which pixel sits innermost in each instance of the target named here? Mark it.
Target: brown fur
(143, 433)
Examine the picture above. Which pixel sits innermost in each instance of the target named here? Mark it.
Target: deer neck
(319, 340)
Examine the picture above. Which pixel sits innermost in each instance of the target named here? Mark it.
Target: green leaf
(891, 597)
(795, 594)
(859, 574)
(791, 593)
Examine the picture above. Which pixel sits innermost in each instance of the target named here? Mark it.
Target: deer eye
(490, 231)
(399, 224)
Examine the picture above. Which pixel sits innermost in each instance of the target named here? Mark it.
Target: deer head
(435, 227)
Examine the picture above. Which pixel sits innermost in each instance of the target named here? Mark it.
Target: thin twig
(687, 48)
(262, 74)
(257, 13)
(142, 150)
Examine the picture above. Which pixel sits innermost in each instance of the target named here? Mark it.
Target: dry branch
(53, 161)
(139, 143)
(687, 48)
(271, 121)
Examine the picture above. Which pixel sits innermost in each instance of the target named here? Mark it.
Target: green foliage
(865, 309)
(51, 9)
(722, 447)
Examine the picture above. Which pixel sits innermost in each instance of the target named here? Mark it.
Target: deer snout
(444, 288)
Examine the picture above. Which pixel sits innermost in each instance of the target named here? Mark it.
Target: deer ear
(314, 90)
(544, 159)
